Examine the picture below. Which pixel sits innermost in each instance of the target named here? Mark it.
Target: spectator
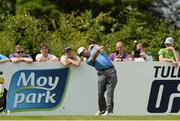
(169, 53)
(147, 56)
(137, 57)
(69, 58)
(107, 78)
(120, 55)
(19, 55)
(3, 59)
(44, 56)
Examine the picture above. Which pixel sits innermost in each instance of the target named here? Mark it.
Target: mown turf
(167, 117)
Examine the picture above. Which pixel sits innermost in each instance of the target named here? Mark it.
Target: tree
(36, 8)
(169, 9)
(7, 6)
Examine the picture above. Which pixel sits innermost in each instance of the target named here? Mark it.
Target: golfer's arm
(95, 55)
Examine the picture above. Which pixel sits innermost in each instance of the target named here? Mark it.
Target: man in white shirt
(44, 56)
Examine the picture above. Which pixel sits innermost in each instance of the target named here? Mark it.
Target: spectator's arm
(54, 59)
(118, 59)
(176, 55)
(161, 58)
(14, 59)
(75, 62)
(65, 61)
(41, 59)
(28, 60)
(4, 60)
(129, 58)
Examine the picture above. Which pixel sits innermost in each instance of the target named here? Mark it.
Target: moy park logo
(37, 89)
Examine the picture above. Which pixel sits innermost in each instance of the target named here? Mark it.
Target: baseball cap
(169, 40)
(80, 50)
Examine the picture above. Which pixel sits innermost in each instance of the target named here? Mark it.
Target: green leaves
(24, 30)
(39, 21)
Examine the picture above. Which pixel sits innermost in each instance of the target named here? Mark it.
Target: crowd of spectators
(168, 54)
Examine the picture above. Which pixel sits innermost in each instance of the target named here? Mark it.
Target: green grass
(159, 117)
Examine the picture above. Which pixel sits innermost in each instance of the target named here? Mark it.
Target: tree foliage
(77, 23)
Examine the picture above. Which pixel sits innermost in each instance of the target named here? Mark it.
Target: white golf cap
(80, 50)
(169, 40)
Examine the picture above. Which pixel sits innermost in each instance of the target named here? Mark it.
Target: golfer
(107, 77)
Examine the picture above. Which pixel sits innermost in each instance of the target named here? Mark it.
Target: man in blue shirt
(107, 77)
(19, 55)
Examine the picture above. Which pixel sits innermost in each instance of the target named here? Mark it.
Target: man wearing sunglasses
(107, 78)
(19, 55)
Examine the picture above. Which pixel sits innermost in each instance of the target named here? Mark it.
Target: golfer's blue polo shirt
(101, 62)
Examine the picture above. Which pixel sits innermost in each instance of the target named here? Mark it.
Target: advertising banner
(143, 88)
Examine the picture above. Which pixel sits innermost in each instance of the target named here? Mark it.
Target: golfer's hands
(101, 48)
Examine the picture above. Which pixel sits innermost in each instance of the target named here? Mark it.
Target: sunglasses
(19, 52)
